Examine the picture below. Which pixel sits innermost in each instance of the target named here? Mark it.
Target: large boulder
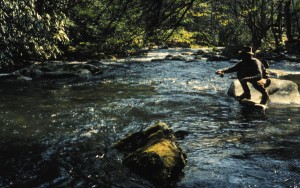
(286, 75)
(293, 77)
(281, 91)
(154, 154)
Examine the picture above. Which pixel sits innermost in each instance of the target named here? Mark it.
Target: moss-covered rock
(154, 154)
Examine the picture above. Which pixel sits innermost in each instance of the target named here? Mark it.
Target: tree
(287, 13)
(31, 30)
(41, 30)
(123, 25)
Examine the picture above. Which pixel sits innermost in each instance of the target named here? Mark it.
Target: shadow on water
(60, 134)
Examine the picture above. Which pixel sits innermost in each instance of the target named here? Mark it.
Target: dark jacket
(251, 70)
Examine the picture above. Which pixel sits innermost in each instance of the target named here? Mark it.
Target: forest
(40, 30)
(143, 93)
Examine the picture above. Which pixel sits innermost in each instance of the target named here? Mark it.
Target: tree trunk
(277, 26)
(288, 25)
(263, 19)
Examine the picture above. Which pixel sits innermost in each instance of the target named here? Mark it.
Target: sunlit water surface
(59, 134)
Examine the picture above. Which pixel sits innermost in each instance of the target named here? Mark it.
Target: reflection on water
(60, 134)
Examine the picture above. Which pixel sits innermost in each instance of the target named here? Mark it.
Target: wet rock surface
(279, 90)
(154, 153)
(286, 75)
(56, 70)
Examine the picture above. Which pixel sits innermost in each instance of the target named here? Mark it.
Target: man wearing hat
(251, 70)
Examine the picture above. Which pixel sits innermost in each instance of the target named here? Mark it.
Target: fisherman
(251, 70)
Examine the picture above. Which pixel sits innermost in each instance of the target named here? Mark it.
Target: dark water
(59, 134)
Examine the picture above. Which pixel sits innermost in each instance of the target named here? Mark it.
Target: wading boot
(244, 96)
(264, 99)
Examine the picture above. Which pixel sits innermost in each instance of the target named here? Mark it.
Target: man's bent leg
(260, 86)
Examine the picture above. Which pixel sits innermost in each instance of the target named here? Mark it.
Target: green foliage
(122, 26)
(41, 30)
(110, 26)
(212, 23)
(28, 32)
(182, 37)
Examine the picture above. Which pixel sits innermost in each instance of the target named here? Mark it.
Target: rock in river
(58, 70)
(281, 91)
(154, 154)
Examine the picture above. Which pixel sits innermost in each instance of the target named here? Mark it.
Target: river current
(60, 133)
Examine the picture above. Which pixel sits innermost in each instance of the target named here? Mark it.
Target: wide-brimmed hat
(247, 50)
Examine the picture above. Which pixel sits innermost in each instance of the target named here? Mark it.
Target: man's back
(249, 68)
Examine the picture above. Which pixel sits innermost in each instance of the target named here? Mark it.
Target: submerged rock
(7, 75)
(84, 73)
(57, 75)
(218, 58)
(202, 52)
(187, 53)
(24, 78)
(175, 58)
(154, 154)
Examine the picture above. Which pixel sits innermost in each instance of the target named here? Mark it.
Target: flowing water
(59, 133)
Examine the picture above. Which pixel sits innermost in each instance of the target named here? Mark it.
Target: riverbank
(206, 53)
(76, 72)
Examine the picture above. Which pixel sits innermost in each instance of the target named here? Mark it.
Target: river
(60, 133)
